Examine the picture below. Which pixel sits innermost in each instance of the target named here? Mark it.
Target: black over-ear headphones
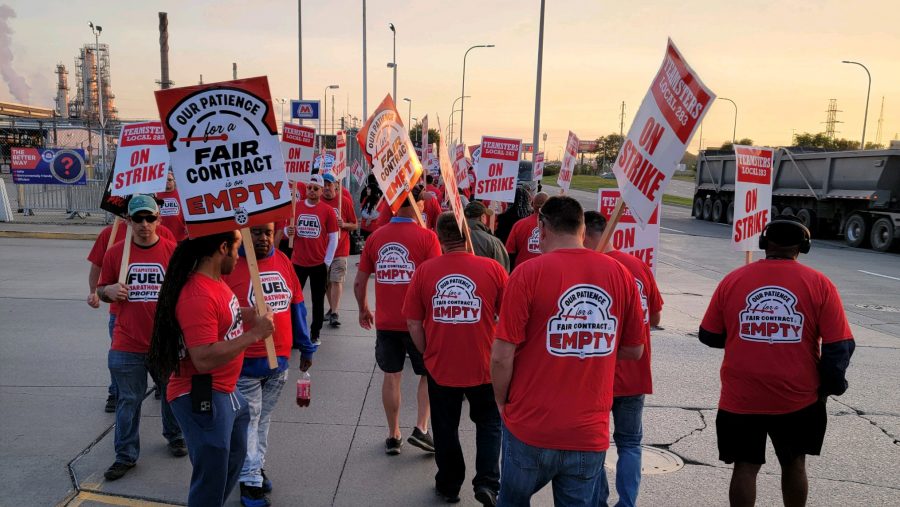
(786, 220)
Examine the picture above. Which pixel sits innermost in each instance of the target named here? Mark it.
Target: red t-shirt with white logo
(457, 297)
(314, 224)
(567, 312)
(431, 211)
(524, 239)
(774, 313)
(208, 312)
(393, 253)
(170, 214)
(348, 215)
(145, 273)
(635, 377)
(281, 288)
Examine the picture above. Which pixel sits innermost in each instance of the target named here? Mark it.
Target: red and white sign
(339, 169)
(642, 243)
(223, 144)
(674, 106)
(752, 195)
(497, 169)
(567, 169)
(537, 167)
(359, 174)
(451, 192)
(141, 160)
(527, 147)
(297, 146)
(460, 165)
(386, 145)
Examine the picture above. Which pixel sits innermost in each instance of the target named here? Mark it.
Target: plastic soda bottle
(304, 385)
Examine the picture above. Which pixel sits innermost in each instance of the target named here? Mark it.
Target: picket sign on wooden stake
(112, 235)
(749, 257)
(611, 224)
(261, 308)
(467, 233)
(126, 254)
(291, 223)
(418, 212)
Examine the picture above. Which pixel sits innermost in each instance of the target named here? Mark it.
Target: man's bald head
(537, 202)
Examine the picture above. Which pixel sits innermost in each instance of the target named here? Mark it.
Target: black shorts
(391, 348)
(742, 437)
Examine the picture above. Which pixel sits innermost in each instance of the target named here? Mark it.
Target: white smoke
(16, 83)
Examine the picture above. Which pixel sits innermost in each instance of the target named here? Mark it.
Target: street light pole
(365, 110)
(463, 94)
(325, 104)
(862, 145)
(734, 130)
(409, 113)
(300, 49)
(537, 92)
(281, 101)
(394, 60)
(453, 110)
(96, 30)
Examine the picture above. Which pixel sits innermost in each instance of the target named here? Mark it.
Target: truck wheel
(787, 210)
(774, 212)
(707, 209)
(718, 211)
(729, 215)
(855, 231)
(808, 218)
(698, 208)
(882, 235)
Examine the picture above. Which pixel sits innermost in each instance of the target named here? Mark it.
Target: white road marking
(878, 274)
(673, 230)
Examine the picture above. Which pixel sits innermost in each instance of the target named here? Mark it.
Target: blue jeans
(627, 412)
(217, 444)
(262, 395)
(112, 380)
(526, 469)
(130, 373)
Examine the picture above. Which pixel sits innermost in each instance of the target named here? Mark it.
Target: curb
(84, 236)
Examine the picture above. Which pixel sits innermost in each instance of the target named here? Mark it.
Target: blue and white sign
(305, 109)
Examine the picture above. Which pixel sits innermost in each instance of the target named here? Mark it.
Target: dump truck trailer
(854, 194)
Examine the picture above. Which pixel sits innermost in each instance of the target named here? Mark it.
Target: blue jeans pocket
(591, 464)
(522, 455)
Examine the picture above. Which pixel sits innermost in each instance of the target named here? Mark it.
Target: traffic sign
(305, 109)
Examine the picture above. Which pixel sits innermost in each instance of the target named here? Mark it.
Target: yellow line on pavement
(48, 235)
(106, 499)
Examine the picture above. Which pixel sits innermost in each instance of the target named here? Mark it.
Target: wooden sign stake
(415, 206)
(112, 234)
(611, 224)
(293, 221)
(250, 255)
(748, 257)
(126, 253)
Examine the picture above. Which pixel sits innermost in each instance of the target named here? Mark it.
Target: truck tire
(787, 211)
(856, 231)
(729, 215)
(882, 235)
(808, 218)
(707, 209)
(698, 208)
(718, 211)
(774, 212)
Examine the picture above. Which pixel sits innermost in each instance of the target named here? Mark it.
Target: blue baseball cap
(141, 202)
(328, 177)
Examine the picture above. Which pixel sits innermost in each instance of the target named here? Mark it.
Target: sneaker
(177, 448)
(333, 320)
(392, 446)
(486, 496)
(328, 314)
(421, 440)
(117, 470)
(110, 404)
(267, 484)
(445, 497)
(253, 496)
(316, 341)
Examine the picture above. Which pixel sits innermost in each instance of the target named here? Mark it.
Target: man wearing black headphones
(787, 347)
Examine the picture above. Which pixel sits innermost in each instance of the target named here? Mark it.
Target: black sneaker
(446, 497)
(267, 484)
(333, 320)
(486, 496)
(328, 315)
(252, 496)
(392, 446)
(110, 404)
(421, 440)
(178, 448)
(316, 340)
(117, 470)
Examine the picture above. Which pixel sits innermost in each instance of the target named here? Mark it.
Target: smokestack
(62, 91)
(164, 82)
(234, 70)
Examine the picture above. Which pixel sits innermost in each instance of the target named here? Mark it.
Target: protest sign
(460, 164)
(339, 169)
(537, 167)
(141, 160)
(752, 196)
(452, 195)
(627, 237)
(359, 174)
(47, 166)
(386, 145)
(297, 146)
(475, 153)
(670, 113)
(323, 163)
(567, 169)
(497, 169)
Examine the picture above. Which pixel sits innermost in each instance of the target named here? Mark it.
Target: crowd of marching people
(527, 314)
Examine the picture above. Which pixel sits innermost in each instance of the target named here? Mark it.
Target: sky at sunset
(780, 61)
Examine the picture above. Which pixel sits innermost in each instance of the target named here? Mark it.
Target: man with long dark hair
(199, 339)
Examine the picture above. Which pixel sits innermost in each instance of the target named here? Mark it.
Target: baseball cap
(316, 179)
(141, 202)
(328, 177)
(476, 208)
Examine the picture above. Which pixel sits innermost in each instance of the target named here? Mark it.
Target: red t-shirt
(567, 311)
(348, 215)
(314, 224)
(457, 297)
(431, 212)
(635, 377)
(774, 314)
(170, 214)
(436, 191)
(208, 312)
(524, 239)
(146, 271)
(393, 253)
(281, 287)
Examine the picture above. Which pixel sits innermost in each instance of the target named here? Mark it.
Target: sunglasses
(146, 218)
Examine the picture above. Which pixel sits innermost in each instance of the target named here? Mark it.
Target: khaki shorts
(338, 270)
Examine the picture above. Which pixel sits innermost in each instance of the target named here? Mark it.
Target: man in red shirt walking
(393, 253)
(787, 347)
(136, 300)
(170, 211)
(566, 317)
(451, 305)
(634, 379)
(346, 222)
(523, 242)
(314, 247)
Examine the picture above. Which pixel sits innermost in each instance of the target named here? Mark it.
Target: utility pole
(537, 91)
(622, 120)
(233, 70)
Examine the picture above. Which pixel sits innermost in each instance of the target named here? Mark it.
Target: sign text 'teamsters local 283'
(225, 154)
